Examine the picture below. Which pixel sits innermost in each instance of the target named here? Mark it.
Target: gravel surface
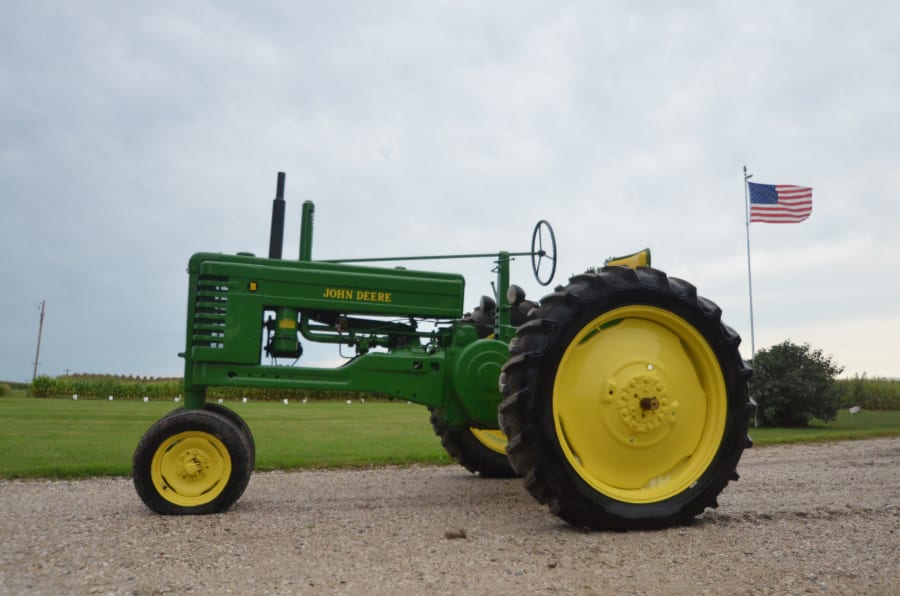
(802, 519)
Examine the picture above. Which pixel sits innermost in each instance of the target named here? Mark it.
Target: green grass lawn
(65, 438)
(864, 425)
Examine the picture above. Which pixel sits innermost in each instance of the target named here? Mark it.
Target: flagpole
(749, 275)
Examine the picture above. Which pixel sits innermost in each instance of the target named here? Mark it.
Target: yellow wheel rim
(494, 440)
(639, 404)
(191, 468)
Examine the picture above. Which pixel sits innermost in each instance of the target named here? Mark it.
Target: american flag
(779, 203)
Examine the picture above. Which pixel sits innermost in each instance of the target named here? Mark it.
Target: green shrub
(5, 390)
(793, 384)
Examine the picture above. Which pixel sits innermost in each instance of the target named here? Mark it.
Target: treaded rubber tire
(528, 383)
(236, 419)
(240, 423)
(205, 424)
(465, 448)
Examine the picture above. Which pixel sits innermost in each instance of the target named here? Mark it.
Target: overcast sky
(133, 134)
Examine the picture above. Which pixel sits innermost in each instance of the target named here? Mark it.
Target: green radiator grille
(210, 311)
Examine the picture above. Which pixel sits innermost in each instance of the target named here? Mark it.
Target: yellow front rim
(639, 404)
(191, 468)
(494, 440)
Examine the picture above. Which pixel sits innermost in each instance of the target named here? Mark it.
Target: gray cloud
(135, 135)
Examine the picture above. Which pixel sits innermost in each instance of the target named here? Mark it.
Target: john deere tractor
(620, 398)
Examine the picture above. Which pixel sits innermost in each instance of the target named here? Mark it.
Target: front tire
(626, 401)
(192, 462)
(237, 420)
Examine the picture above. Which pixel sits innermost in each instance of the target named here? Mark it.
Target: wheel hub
(644, 406)
(649, 403)
(193, 464)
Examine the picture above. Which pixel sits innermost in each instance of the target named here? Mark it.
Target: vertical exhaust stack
(276, 236)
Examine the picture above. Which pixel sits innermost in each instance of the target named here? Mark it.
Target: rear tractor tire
(480, 451)
(192, 462)
(626, 401)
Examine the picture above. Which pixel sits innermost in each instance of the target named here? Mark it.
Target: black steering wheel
(543, 234)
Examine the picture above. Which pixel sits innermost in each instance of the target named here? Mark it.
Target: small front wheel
(192, 462)
(236, 419)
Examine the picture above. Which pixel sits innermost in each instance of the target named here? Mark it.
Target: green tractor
(620, 398)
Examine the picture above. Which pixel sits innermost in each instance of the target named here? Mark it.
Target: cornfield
(129, 387)
(870, 394)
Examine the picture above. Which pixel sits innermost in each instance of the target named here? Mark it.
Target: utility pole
(37, 353)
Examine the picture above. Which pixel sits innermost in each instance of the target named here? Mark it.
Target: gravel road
(802, 519)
